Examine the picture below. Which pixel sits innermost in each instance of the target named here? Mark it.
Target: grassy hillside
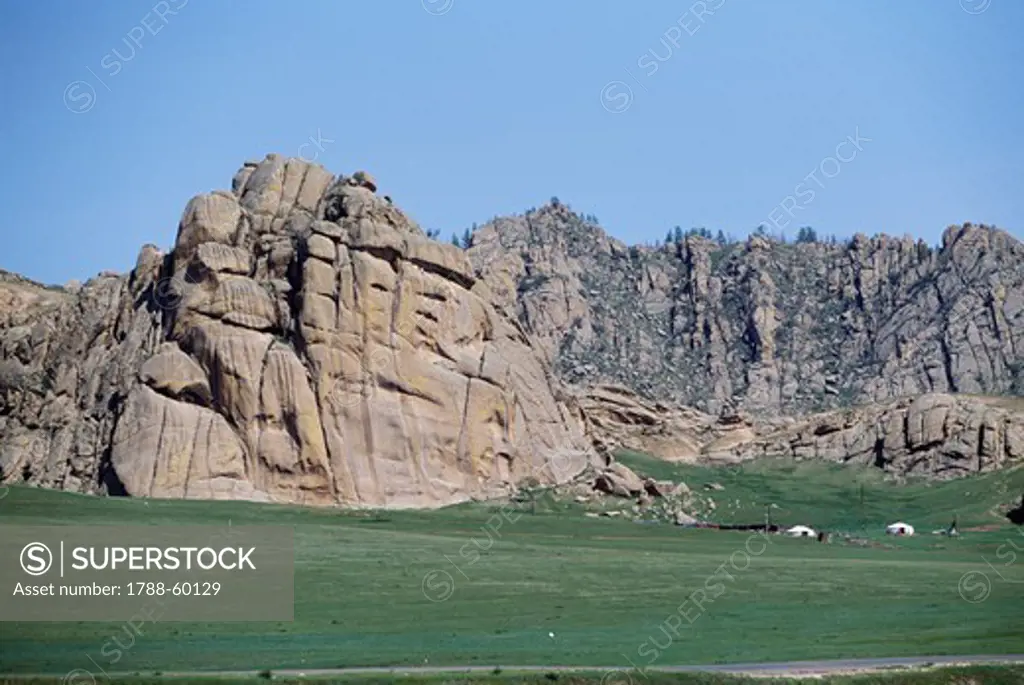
(606, 588)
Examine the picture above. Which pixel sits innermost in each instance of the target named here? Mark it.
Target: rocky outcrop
(618, 479)
(931, 435)
(617, 418)
(936, 435)
(710, 349)
(763, 326)
(303, 342)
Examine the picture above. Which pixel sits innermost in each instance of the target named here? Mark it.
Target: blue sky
(642, 113)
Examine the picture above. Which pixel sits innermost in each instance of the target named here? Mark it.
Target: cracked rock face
(303, 342)
(937, 435)
(933, 435)
(762, 326)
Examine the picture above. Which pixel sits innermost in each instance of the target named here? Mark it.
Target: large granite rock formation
(303, 342)
(759, 325)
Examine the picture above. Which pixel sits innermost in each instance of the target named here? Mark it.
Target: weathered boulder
(660, 488)
(618, 479)
(684, 519)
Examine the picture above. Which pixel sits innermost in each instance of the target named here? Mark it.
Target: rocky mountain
(304, 341)
(761, 326)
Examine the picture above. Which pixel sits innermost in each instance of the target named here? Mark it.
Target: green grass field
(607, 588)
(834, 497)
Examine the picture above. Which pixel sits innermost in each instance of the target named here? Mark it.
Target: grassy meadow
(834, 497)
(440, 588)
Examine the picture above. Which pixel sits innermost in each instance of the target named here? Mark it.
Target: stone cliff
(304, 341)
(763, 326)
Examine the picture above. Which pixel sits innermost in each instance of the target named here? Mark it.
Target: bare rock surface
(618, 479)
(762, 326)
(304, 341)
(933, 435)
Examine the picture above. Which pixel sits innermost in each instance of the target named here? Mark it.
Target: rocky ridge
(763, 326)
(305, 341)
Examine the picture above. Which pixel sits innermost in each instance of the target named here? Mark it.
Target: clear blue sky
(466, 109)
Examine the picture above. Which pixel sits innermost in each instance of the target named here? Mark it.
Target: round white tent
(899, 529)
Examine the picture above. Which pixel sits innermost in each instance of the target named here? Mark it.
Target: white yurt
(899, 529)
(801, 532)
